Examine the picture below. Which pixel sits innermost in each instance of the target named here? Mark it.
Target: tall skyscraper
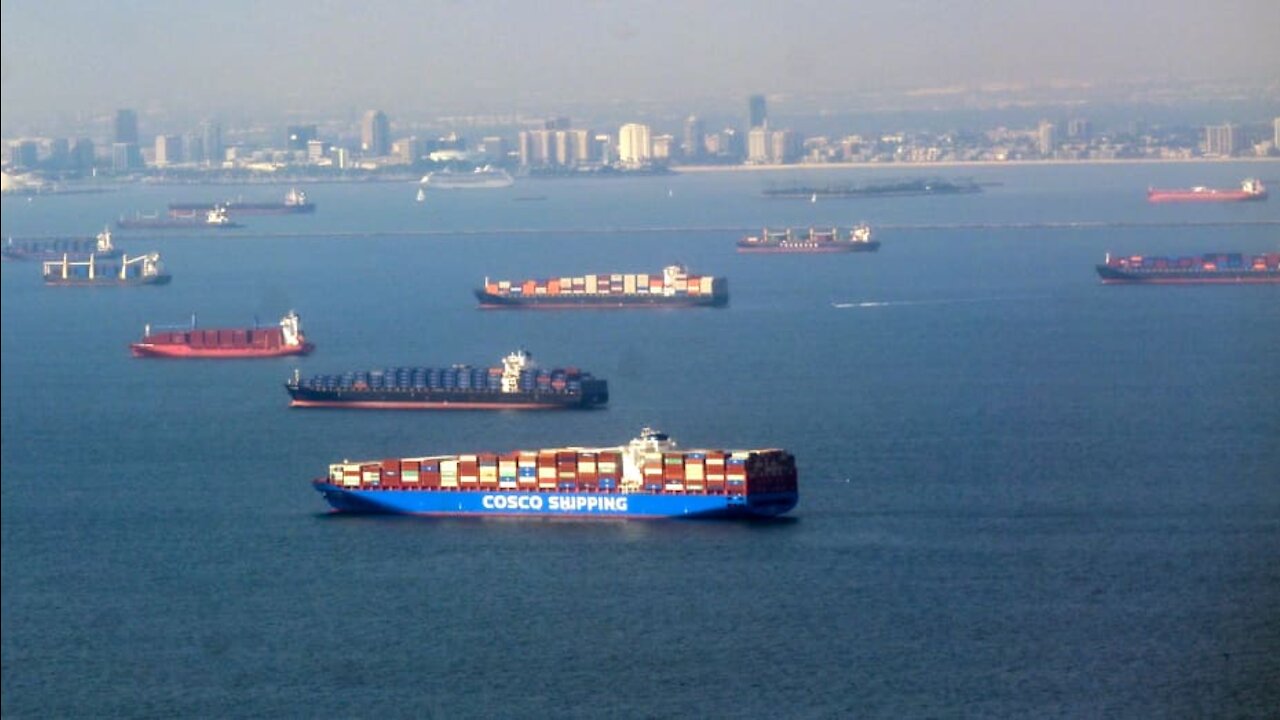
(211, 134)
(375, 134)
(634, 146)
(1047, 138)
(758, 145)
(756, 111)
(695, 134)
(82, 154)
(126, 127)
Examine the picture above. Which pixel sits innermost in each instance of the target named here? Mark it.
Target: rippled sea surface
(1023, 494)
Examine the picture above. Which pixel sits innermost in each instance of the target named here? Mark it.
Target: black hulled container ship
(1207, 269)
(515, 385)
(673, 287)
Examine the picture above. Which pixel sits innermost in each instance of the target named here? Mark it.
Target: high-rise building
(1079, 129)
(82, 154)
(634, 145)
(126, 127)
(296, 137)
(168, 150)
(537, 147)
(1047, 138)
(756, 111)
(758, 145)
(1221, 140)
(211, 140)
(316, 151)
(24, 153)
(785, 146)
(59, 154)
(375, 134)
(694, 143)
(1276, 140)
(125, 157)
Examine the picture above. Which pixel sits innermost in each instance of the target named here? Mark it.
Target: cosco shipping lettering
(647, 478)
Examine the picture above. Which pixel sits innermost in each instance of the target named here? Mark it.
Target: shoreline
(945, 164)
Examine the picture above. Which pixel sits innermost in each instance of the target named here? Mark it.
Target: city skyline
(78, 59)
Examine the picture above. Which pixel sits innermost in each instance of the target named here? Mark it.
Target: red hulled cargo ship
(646, 478)
(1251, 189)
(1208, 269)
(255, 342)
(673, 287)
(816, 240)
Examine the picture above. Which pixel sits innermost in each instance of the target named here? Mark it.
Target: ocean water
(1023, 494)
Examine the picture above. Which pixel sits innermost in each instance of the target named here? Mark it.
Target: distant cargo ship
(295, 203)
(253, 342)
(482, 178)
(141, 270)
(885, 189)
(1212, 268)
(516, 385)
(646, 478)
(674, 287)
(77, 248)
(815, 240)
(1250, 189)
(215, 219)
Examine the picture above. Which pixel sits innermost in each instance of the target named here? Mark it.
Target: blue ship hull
(506, 503)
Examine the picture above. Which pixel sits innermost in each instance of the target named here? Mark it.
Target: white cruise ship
(482, 178)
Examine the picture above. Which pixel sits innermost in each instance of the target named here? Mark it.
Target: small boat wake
(947, 301)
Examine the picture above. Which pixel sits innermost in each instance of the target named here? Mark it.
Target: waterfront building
(211, 140)
(316, 151)
(785, 146)
(1047, 138)
(82, 154)
(24, 153)
(125, 157)
(1221, 140)
(758, 146)
(375, 134)
(168, 150)
(634, 144)
(694, 144)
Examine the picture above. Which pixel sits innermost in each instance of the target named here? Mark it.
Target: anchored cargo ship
(253, 342)
(482, 178)
(214, 219)
(140, 270)
(295, 203)
(1250, 189)
(647, 478)
(674, 287)
(816, 240)
(516, 385)
(899, 188)
(75, 248)
(1212, 268)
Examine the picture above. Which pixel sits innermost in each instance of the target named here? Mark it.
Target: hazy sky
(411, 56)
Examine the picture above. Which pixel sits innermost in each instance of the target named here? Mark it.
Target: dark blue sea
(1023, 494)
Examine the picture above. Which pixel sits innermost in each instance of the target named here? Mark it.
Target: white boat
(482, 178)
(422, 195)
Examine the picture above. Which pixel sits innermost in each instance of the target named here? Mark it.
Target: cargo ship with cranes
(815, 240)
(284, 339)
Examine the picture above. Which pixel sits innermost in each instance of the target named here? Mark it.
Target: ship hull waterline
(558, 505)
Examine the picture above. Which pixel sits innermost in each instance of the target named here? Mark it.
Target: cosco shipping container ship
(1212, 268)
(647, 478)
(516, 385)
(674, 287)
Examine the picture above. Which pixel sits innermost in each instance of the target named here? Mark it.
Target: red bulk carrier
(255, 342)
(1251, 189)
